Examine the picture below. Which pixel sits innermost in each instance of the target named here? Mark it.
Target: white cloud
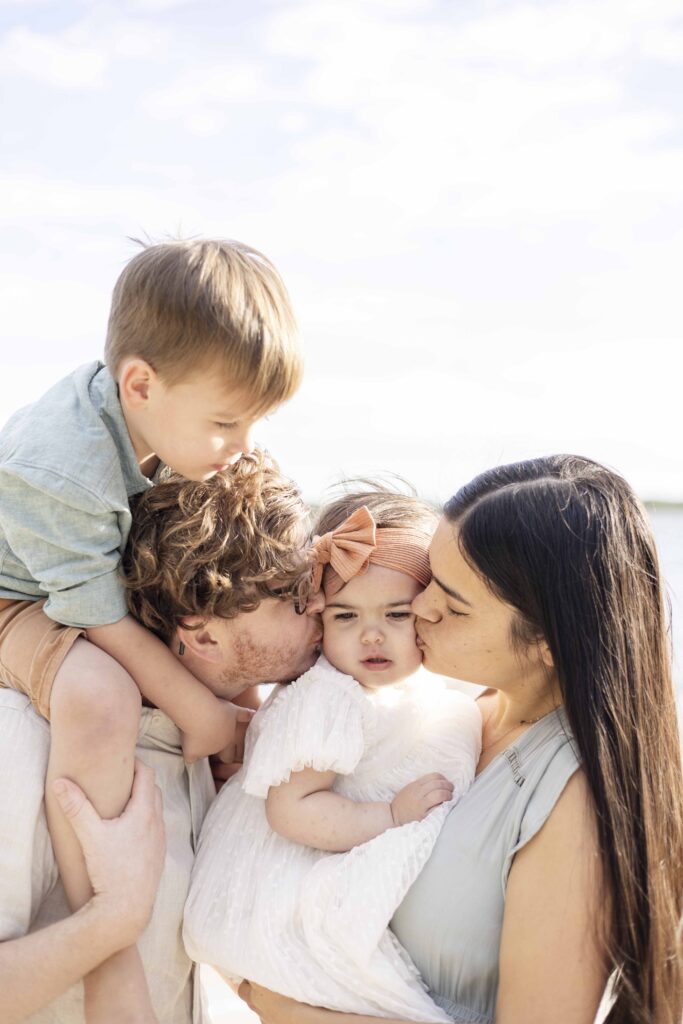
(63, 60)
(469, 202)
(31, 199)
(664, 45)
(157, 6)
(202, 97)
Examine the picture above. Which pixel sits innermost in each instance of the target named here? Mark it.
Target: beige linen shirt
(31, 894)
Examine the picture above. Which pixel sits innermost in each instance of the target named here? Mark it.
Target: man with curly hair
(220, 571)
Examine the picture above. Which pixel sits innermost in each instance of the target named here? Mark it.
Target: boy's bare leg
(94, 715)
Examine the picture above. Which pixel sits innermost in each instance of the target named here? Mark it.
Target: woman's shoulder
(546, 766)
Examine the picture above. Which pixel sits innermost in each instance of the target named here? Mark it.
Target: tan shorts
(32, 649)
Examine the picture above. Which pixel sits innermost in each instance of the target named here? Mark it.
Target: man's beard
(255, 663)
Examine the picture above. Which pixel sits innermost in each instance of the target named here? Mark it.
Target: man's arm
(124, 857)
(208, 723)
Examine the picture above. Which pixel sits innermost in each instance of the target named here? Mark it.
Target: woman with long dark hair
(562, 867)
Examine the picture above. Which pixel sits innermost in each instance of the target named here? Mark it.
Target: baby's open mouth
(376, 662)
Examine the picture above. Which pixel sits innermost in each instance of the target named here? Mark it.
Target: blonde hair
(216, 547)
(184, 306)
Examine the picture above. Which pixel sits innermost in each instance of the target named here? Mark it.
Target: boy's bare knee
(92, 693)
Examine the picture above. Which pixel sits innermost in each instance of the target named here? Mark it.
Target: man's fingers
(75, 805)
(143, 783)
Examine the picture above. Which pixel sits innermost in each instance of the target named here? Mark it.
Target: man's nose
(315, 603)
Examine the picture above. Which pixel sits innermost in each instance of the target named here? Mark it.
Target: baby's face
(369, 628)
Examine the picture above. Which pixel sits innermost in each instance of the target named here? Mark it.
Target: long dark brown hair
(566, 542)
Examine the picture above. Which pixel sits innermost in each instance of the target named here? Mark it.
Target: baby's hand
(416, 800)
(222, 734)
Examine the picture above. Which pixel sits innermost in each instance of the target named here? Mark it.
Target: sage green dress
(450, 920)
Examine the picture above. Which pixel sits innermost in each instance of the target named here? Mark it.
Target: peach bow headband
(358, 542)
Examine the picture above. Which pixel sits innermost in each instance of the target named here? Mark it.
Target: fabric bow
(346, 550)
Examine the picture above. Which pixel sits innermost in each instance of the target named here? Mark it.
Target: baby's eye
(343, 616)
(399, 615)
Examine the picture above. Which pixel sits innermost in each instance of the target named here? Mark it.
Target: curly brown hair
(216, 547)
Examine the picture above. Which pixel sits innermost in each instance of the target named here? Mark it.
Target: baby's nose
(372, 635)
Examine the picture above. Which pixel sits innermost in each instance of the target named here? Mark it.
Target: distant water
(667, 521)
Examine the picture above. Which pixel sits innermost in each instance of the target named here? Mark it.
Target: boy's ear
(200, 640)
(135, 378)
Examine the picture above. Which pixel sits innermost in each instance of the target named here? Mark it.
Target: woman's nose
(423, 608)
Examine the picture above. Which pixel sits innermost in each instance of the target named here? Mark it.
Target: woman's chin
(429, 661)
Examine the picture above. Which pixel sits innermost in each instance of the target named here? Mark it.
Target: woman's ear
(546, 655)
(194, 634)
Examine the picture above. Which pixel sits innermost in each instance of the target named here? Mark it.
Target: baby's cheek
(330, 644)
(334, 649)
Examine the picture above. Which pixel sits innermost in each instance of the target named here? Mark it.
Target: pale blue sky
(477, 206)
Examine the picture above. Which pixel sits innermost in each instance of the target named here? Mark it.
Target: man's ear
(200, 639)
(136, 377)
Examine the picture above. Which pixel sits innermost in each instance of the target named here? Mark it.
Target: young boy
(201, 342)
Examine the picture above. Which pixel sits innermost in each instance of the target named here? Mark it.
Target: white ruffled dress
(310, 924)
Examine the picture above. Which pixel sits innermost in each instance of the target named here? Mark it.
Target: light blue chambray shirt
(67, 473)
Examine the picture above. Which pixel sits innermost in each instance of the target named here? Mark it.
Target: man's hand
(228, 761)
(415, 801)
(221, 733)
(125, 855)
(222, 771)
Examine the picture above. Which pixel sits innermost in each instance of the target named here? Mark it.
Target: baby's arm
(209, 724)
(305, 810)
